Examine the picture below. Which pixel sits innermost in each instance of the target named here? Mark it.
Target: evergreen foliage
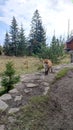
(15, 41)
(6, 47)
(16, 44)
(9, 78)
(37, 33)
(14, 37)
(44, 52)
(22, 43)
(56, 49)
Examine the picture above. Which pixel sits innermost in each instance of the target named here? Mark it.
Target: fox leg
(46, 69)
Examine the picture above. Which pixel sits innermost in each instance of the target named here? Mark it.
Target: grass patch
(62, 73)
(38, 99)
(32, 116)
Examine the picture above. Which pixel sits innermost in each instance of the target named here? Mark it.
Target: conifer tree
(14, 37)
(9, 78)
(37, 33)
(22, 43)
(56, 49)
(7, 44)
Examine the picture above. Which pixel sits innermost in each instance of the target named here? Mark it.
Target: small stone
(46, 90)
(25, 79)
(2, 127)
(31, 85)
(13, 110)
(6, 97)
(27, 91)
(3, 105)
(19, 84)
(13, 91)
(46, 84)
(18, 98)
(69, 76)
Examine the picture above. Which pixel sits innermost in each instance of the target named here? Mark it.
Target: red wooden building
(69, 44)
(69, 47)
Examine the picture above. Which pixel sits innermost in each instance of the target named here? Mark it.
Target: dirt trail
(61, 104)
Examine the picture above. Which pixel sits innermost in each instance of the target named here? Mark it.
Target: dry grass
(24, 65)
(21, 64)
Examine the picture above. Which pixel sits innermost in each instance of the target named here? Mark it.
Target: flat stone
(13, 91)
(46, 90)
(13, 110)
(18, 84)
(6, 97)
(31, 85)
(27, 91)
(2, 127)
(18, 98)
(46, 84)
(3, 105)
(25, 79)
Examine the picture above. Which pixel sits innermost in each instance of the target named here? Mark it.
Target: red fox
(47, 66)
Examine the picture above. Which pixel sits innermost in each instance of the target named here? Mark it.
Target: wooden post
(71, 56)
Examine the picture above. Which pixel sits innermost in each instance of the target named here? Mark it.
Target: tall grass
(21, 64)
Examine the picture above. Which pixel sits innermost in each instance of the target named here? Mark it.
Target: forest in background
(17, 44)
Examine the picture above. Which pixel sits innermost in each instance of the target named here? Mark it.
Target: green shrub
(9, 78)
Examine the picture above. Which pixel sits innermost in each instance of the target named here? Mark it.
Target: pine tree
(14, 37)
(56, 49)
(9, 78)
(22, 43)
(37, 33)
(7, 44)
(62, 45)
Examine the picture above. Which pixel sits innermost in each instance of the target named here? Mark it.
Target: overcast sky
(54, 14)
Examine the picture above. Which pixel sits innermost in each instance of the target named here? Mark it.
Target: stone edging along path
(30, 85)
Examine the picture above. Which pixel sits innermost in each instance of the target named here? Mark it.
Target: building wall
(70, 45)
